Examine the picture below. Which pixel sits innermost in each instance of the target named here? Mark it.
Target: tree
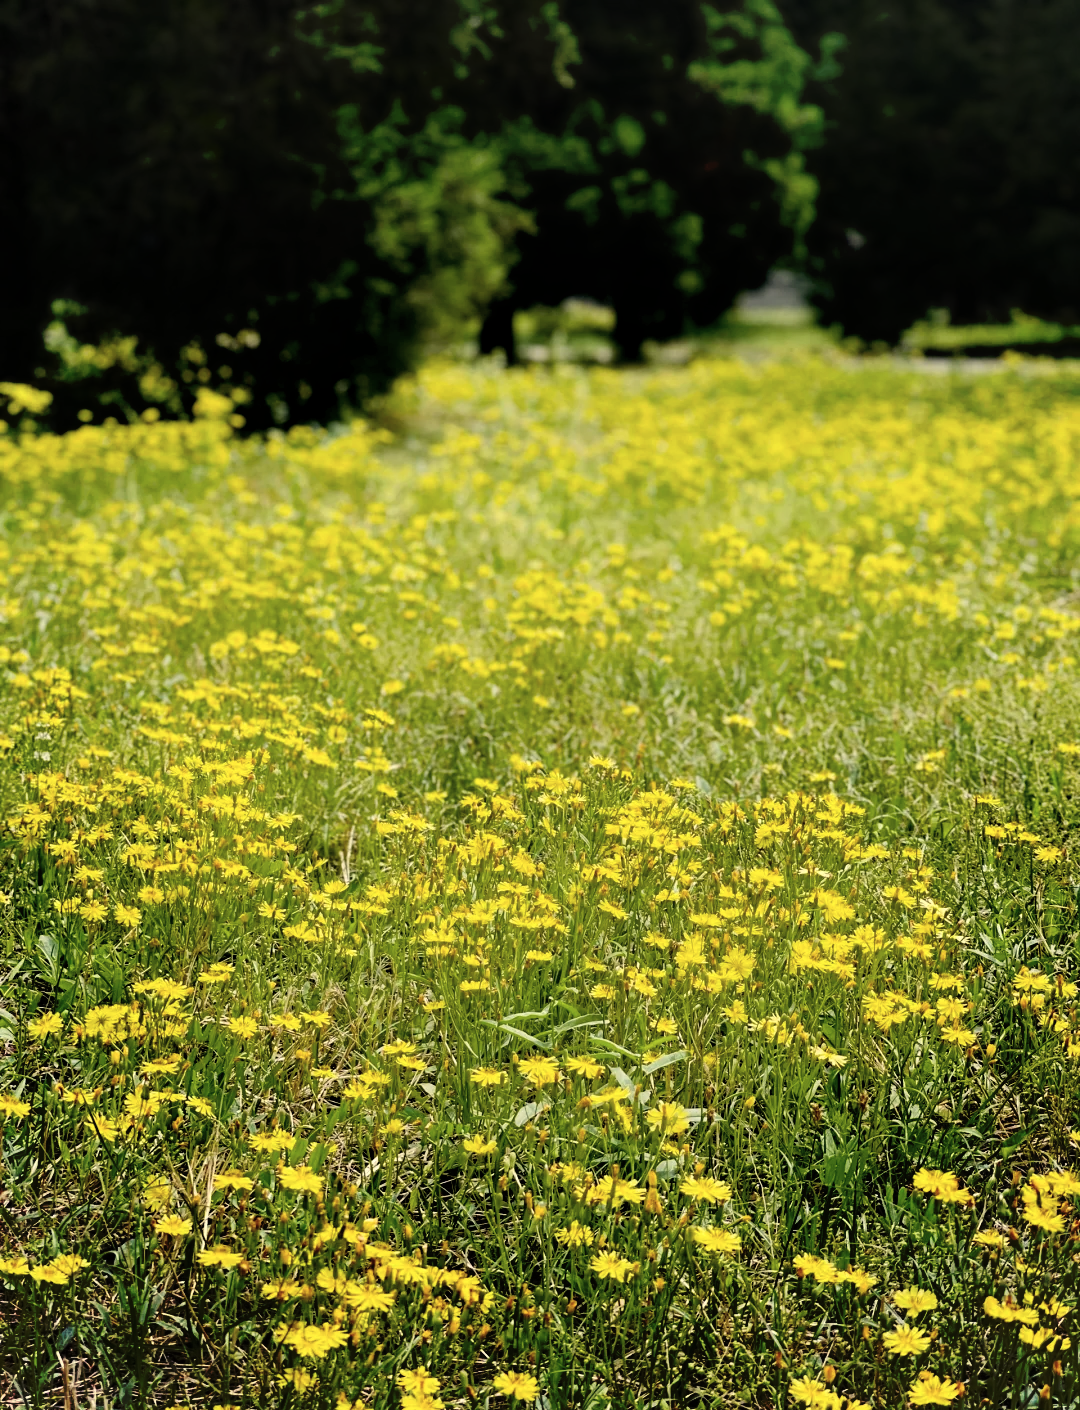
(950, 172)
(288, 199)
(287, 184)
(663, 168)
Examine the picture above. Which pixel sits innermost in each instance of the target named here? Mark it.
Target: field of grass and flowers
(567, 898)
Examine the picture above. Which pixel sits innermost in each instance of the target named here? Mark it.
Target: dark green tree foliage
(950, 172)
(305, 193)
(662, 169)
(189, 171)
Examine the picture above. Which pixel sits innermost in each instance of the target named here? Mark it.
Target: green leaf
(517, 1033)
(531, 1110)
(611, 1047)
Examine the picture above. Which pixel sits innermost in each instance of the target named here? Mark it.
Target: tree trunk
(629, 334)
(497, 330)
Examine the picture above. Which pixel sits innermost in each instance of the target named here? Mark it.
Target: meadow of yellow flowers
(566, 897)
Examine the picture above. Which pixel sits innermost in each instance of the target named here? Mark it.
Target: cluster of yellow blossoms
(572, 902)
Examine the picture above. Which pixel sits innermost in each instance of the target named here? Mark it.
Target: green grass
(941, 335)
(566, 899)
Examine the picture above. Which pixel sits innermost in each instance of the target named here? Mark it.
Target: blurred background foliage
(950, 174)
(292, 203)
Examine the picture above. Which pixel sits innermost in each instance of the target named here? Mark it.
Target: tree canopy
(950, 169)
(309, 191)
